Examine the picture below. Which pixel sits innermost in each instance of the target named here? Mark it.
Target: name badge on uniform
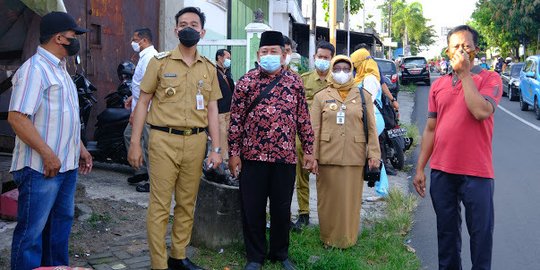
(199, 97)
(340, 116)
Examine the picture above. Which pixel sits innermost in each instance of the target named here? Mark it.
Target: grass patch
(99, 220)
(412, 132)
(411, 87)
(381, 246)
(408, 168)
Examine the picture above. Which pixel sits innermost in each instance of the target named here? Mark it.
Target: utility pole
(390, 27)
(348, 27)
(313, 33)
(333, 11)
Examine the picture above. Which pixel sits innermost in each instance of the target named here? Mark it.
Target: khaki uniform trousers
(176, 163)
(302, 181)
(224, 120)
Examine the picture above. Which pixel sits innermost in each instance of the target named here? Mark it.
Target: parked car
(415, 69)
(389, 70)
(529, 86)
(510, 79)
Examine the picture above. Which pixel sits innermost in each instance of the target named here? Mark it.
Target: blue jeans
(44, 217)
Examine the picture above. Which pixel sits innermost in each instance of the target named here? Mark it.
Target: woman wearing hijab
(341, 150)
(368, 77)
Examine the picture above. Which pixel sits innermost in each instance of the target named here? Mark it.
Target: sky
(444, 13)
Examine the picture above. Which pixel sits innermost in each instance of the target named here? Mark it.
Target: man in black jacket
(226, 83)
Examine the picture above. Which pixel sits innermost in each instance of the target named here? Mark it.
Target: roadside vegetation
(412, 132)
(411, 88)
(380, 246)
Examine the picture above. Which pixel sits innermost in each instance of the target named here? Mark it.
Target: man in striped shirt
(44, 113)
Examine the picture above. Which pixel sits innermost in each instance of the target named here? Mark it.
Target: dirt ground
(111, 223)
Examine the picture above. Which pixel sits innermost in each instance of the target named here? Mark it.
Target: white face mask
(136, 47)
(341, 77)
(227, 63)
(287, 59)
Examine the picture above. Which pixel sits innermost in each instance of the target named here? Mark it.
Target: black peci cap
(56, 22)
(271, 38)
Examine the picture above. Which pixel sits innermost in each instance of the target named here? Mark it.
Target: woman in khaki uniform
(341, 150)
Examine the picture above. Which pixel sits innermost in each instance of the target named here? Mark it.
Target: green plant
(379, 246)
(96, 220)
(411, 88)
(412, 132)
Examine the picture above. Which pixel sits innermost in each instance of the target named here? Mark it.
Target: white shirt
(372, 85)
(144, 57)
(44, 91)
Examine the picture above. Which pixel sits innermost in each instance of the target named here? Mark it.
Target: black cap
(271, 38)
(56, 22)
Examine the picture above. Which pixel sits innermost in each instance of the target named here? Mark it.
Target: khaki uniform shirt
(175, 86)
(312, 85)
(343, 145)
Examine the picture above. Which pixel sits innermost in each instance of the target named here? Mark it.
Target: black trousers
(258, 182)
(447, 192)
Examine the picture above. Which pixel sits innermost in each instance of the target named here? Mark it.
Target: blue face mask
(322, 64)
(270, 62)
(227, 63)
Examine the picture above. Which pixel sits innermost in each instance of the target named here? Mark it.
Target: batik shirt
(267, 133)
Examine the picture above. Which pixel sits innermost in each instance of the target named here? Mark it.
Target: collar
(50, 58)
(177, 55)
(146, 51)
(318, 78)
(475, 70)
(263, 73)
(220, 68)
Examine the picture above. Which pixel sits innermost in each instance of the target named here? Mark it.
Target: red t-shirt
(463, 145)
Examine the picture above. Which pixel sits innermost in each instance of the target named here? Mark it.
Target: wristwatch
(217, 150)
(394, 99)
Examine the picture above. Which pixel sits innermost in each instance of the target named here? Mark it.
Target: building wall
(215, 26)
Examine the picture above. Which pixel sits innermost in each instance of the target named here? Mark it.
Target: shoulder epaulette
(208, 60)
(305, 74)
(162, 55)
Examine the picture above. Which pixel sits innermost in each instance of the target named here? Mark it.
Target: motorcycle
(108, 145)
(395, 144)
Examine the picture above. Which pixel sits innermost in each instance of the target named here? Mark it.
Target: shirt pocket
(206, 91)
(169, 90)
(325, 137)
(360, 139)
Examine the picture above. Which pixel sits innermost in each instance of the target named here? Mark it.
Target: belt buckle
(187, 132)
(170, 130)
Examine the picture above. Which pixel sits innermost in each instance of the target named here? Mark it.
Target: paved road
(517, 175)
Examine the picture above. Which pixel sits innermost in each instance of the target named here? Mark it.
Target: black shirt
(226, 84)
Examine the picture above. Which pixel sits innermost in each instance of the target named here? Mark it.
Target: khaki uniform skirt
(339, 201)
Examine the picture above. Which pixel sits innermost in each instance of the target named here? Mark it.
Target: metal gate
(209, 48)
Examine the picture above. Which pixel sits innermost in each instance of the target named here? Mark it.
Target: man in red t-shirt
(458, 138)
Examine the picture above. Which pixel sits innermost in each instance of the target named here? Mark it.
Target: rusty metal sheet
(112, 23)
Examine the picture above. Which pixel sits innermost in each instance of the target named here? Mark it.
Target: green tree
(410, 25)
(369, 22)
(356, 5)
(507, 24)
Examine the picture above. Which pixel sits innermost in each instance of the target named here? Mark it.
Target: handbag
(370, 175)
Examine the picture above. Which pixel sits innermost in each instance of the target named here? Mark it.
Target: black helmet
(125, 70)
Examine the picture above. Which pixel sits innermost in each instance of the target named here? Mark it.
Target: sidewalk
(131, 252)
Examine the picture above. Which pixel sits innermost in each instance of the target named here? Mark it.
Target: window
(386, 67)
(516, 68)
(418, 62)
(528, 65)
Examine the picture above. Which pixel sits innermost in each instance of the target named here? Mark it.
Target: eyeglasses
(336, 70)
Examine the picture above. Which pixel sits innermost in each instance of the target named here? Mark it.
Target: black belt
(185, 132)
